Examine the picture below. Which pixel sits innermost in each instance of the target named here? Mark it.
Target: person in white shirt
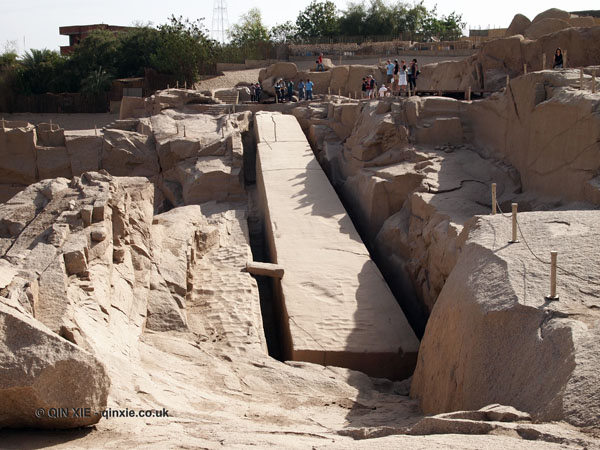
(383, 90)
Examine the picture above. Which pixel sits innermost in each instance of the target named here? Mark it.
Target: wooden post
(594, 81)
(167, 86)
(329, 90)
(581, 79)
(564, 59)
(553, 264)
(524, 69)
(469, 93)
(184, 135)
(544, 61)
(493, 199)
(514, 224)
(177, 84)
(339, 92)
(185, 84)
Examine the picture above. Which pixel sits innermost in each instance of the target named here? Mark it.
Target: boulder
(17, 154)
(126, 153)
(552, 13)
(44, 377)
(495, 337)
(545, 26)
(518, 25)
(132, 107)
(285, 70)
(85, 151)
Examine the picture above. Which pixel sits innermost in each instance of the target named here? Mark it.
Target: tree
(318, 19)
(135, 50)
(352, 21)
(96, 83)
(250, 29)
(284, 33)
(184, 49)
(41, 71)
(98, 49)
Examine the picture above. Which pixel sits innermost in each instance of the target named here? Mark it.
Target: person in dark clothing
(558, 59)
(413, 73)
(257, 92)
(372, 87)
(290, 90)
(364, 87)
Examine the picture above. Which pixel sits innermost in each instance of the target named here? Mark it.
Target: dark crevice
(260, 253)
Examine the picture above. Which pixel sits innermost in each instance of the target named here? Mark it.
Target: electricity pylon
(220, 22)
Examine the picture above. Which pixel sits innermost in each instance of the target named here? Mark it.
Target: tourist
(402, 83)
(320, 67)
(301, 89)
(558, 59)
(413, 73)
(290, 90)
(257, 92)
(372, 87)
(383, 91)
(309, 88)
(252, 93)
(364, 87)
(390, 71)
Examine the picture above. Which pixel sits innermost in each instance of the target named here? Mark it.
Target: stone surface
(41, 371)
(501, 340)
(333, 305)
(518, 25)
(552, 13)
(545, 26)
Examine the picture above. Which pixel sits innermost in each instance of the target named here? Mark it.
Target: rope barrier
(562, 269)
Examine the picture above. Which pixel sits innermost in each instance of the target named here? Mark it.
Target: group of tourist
(255, 92)
(284, 90)
(399, 77)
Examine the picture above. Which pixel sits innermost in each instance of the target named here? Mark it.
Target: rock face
(195, 158)
(412, 183)
(507, 56)
(515, 126)
(552, 13)
(518, 25)
(495, 338)
(545, 26)
(41, 372)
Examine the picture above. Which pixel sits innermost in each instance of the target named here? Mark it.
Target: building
(78, 32)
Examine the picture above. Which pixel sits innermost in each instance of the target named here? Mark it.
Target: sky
(35, 23)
